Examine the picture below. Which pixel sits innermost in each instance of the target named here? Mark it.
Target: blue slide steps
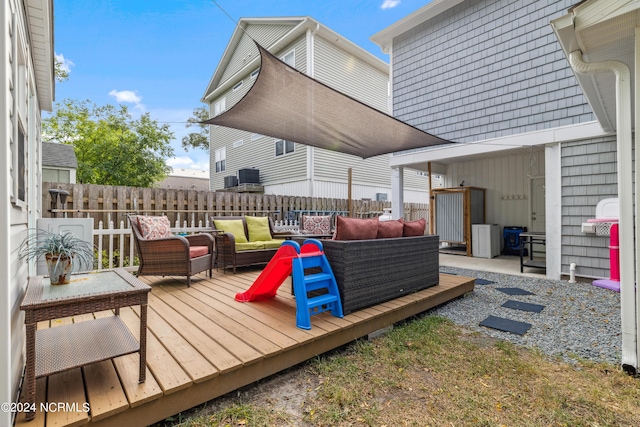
(312, 256)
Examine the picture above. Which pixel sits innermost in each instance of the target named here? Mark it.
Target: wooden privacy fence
(112, 203)
(109, 206)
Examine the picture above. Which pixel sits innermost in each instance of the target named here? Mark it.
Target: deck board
(170, 375)
(201, 344)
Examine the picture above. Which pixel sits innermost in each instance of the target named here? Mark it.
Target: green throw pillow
(233, 226)
(258, 227)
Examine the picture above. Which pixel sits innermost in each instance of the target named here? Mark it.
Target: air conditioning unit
(249, 176)
(230, 181)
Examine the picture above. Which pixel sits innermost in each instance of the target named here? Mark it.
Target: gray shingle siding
(588, 176)
(486, 69)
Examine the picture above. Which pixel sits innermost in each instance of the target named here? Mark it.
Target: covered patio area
(202, 344)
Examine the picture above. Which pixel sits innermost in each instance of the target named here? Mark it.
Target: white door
(538, 212)
(537, 205)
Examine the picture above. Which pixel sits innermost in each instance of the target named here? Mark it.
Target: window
(19, 140)
(255, 73)
(221, 159)
(238, 86)
(255, 136)
(22, 167)
(220, 106)
(290, 58)
(284, 147)
(56, 175)
(238, 143)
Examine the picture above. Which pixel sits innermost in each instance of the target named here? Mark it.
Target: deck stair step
(312, 256)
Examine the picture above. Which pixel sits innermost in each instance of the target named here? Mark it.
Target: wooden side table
(71, 346)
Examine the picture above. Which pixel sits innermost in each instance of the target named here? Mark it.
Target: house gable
(245, 51)
(242, 53)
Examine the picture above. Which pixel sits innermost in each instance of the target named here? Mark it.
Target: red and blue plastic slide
(276, 272)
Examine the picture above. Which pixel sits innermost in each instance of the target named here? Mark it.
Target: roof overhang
(384, 38)
(287, 104)
(524, 142)
(602, 31)
(40, 23)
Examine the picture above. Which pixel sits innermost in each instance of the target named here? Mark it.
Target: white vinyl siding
(300, 56)
(264, 34)
(287, 173)
(350, 75)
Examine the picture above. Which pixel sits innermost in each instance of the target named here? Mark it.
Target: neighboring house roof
(187, 179)
(58, 155)
(40, 17)
(299, 25)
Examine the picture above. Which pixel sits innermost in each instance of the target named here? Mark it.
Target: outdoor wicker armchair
(171, 255)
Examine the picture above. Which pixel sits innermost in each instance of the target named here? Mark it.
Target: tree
(200, 138)
(60, 73)
(112, 148)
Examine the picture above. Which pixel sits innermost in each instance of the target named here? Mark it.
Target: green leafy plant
(115, 261)
(63, 245)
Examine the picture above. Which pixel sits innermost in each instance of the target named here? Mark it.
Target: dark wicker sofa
(228, 254)
(372, 271)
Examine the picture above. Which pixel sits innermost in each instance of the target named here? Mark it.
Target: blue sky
(158, 56)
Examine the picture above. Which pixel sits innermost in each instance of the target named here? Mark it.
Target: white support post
(397, 192)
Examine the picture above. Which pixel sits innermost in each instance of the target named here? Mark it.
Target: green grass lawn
(429, 372)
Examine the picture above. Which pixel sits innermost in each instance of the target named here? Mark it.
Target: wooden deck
(203, 344)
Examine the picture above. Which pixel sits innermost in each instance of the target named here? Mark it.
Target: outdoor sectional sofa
(370, 271)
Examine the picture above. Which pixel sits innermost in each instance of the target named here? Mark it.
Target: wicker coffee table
(71, 346)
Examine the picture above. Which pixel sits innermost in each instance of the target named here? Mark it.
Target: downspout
(310, 72)
(625, 197)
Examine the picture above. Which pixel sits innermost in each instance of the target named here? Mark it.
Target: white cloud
(128, 97)
(65, 64)
(389, 4)
(186, 162)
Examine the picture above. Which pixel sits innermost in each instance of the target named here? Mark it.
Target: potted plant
(61, 251)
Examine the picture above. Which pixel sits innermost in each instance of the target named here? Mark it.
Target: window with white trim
(19, 138)
(221, 159)
(238, 143)
(256, 136)
(255, 73)
(284, 147)
(238, 86)
(289, 58)
(220, 106)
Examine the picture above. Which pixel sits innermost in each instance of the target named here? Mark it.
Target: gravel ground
(579, 319)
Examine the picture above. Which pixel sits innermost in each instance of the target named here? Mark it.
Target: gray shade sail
(287, 104)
